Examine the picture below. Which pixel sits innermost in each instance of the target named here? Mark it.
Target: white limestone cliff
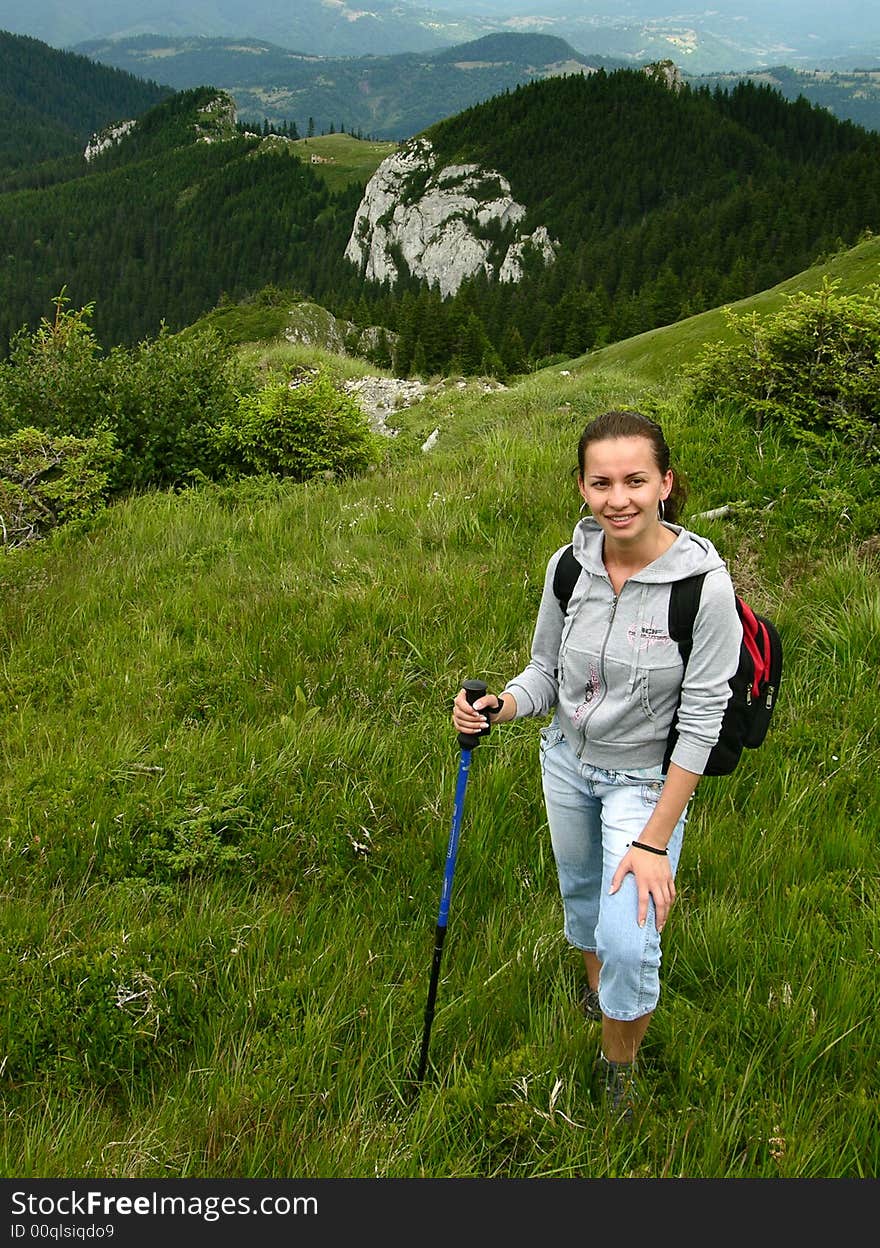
(102, 139)
(446, 222)
(215, 121)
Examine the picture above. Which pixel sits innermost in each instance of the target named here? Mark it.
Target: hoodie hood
(688, 555)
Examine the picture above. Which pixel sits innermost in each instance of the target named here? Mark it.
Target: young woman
(613, 677)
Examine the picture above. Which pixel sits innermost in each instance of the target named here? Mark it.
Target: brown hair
(630, 424)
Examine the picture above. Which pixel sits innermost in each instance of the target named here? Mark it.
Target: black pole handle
(473, 689)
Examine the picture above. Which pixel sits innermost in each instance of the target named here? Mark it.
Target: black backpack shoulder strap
(565, 576)
(684, 603)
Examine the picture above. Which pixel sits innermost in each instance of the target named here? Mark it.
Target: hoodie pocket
(644, 680)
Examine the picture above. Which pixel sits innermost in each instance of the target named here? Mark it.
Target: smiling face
(623, 486)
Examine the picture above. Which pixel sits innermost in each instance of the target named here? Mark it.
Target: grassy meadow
(227, 785)
(657, 355)
(341, 159)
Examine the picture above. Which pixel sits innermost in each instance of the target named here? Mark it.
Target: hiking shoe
(621, 1094)
(590, 1003)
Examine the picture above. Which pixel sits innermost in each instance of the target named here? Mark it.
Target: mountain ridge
(708, 40)
(52, 100)
(659, 203)
(399, 95)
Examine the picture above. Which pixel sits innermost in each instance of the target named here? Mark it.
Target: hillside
(51, 101)
(225, 809)
(391, 96)
(660, 354)
(182, 211)
(656, 357)
(667, 147)
(661, 202)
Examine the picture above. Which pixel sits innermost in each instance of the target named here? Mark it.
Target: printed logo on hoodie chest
(643, 636)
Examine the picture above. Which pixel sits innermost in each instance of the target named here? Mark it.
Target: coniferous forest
(52, 101)
(160, 227)
(664, 203)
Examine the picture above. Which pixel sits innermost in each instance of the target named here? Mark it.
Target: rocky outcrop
(106, 138)
(216, 119)
(213, 122)
(379, 398)
(666, 72)
(445, 223)
(311, 325)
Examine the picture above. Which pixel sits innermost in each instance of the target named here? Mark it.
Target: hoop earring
(583, 505)
(661, 509)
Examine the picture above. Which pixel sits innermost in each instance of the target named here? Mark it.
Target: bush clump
(47, 480)
(101, 1016)
(166, 400)
(299, 429)
(813, 369)
(80, 427)
(55, 378)
(161, 401)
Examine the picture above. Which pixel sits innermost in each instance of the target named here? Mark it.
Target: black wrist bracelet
(652, 849)
(498, 709)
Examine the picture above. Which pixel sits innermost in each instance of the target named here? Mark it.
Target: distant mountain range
(660, 202)
(384, 96)
(397, 96)
(749, 34)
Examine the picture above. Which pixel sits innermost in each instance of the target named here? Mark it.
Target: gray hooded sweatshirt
(609, 668)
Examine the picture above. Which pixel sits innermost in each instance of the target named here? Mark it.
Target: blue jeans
(593, 815)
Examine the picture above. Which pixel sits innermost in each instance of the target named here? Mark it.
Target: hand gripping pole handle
(473, 689)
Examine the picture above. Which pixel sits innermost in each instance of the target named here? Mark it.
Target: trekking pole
(473, 689)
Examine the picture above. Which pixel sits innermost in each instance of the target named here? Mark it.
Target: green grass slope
(225, 800)
(341, 159)
(659, 354)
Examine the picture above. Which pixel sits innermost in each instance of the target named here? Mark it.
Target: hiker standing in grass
(608, 669)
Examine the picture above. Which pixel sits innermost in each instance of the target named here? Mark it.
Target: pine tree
(419, 361)
(381, 354)
(513, 351)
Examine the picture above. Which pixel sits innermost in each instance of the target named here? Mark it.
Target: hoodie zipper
(615, 598)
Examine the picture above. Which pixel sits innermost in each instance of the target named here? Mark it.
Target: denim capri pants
(593, 816)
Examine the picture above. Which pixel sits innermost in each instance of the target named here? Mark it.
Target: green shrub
(55, 378)
(167, 399)
(47, 480)
(299, 429)
(162, 400)
(812, 369)
(101, 1015)
(198, 840)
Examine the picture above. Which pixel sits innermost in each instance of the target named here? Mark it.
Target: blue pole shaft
(445, 898)
(464, 768)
